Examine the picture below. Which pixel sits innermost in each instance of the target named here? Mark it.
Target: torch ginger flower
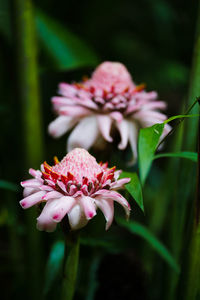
(76, 186)
(109, 98)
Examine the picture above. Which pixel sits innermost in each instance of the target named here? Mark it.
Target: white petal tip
(121, 147)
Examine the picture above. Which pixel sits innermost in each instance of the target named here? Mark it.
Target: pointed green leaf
(134, 188)
(186, 154)
(142, 231)
(66, 50)
(54, 264)
(147, 143)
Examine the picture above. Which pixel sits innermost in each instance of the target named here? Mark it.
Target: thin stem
(179, 121)
(27, 77)
(70, 266)
(193, 289)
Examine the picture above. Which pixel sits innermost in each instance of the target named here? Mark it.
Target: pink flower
(76, 186)
(109, 98)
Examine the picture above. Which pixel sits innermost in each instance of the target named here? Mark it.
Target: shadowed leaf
(66, 50)
(143, 232)
(187, 154)
(4, 184)
(54, 264)
(134, 188)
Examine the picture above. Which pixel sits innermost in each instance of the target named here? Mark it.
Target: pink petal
(35, 173)
(62, 101)
(124, 132)
(104, 123)
(116, 174)
(32, 199)
(112, 195)
(61, 125)
(154, 105)
(117, 116)
(66, 89)
(46, 188)
(88, 207)
(28, 191)
(62, 186)
(45, 221)
(75, 111)
(77, 217)
(31, 183)
(119, 183)
(148, 115)
(52, 195)
(133, 133)
(107, 208)
(64, 205)
(84, 135)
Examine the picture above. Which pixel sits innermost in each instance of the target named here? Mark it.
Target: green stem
(28, 84)
(193, 284)
(70, 265)
(183, 204)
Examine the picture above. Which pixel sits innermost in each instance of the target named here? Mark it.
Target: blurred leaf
(93, 283)
(4, 216)
(4, 184)
(147, 143)
(65, 48)
(54, 264)
(111, 244)
(143, 232)
(5, 19)
(189, 155)
(134, 188)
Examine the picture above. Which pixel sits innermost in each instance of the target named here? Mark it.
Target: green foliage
(134, 188)
(142, 231)
(65, 49)
(4, 184)
(147, 144)
(54, 265)
(193, 156)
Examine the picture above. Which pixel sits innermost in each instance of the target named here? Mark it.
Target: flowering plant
(76, 186)
(109, 97)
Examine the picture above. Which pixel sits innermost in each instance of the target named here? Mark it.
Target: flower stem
(28, 89)
(70, 265)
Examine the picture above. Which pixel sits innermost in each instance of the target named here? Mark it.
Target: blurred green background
(155, 40)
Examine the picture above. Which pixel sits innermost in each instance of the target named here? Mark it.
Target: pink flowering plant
(73, 191)
(109, 99)
(77, 186)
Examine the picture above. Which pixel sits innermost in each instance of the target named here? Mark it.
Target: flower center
(78, 171)
(79, 163)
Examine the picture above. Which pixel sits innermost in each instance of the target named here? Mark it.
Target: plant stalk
(193, 284)
(70, 265)
(28, 89)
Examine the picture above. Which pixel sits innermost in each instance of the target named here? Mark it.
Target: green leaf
(54, 264)
(134, 188)
(180, 117)
(147, 143)
(4, 184)
(143, 232)
(66, 50)
(187, 154)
